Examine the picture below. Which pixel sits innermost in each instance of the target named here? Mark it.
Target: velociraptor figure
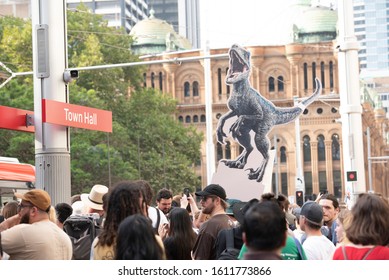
(255, 113)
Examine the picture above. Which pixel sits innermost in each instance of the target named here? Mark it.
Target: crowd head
(264, 227)
(369, 223)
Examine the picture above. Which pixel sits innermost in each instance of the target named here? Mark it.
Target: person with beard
(330, 206)
(164, 200)
(213, 202)
(30, 235)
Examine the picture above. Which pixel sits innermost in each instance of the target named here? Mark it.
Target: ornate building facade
(281, 74)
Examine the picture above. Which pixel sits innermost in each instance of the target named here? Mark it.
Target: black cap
(239, 209)
(213, 189)
(312, 212)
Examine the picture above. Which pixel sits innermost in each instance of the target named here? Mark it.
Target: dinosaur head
(239, 68)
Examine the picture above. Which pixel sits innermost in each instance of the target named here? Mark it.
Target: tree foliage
(147, 141)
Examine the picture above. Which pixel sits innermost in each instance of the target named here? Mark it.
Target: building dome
(318, 19)
(154, 35)
(316, 23)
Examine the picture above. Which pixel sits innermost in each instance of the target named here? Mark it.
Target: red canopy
(17, 172)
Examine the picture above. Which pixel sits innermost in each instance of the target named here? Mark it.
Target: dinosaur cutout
(254, 113)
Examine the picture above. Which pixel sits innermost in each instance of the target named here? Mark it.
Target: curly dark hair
(125, 198)
(164, 193)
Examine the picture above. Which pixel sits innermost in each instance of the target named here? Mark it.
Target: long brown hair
(369, 223)
(181, 235)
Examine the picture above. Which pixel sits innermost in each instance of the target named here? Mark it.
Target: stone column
(329, 166)
(315, 169)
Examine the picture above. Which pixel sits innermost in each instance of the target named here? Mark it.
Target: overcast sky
(246, 22)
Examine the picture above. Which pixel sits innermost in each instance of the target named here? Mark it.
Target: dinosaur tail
(304, 104)
(285, 115)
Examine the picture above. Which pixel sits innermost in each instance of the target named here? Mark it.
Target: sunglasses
(204, 198)
(21, 206)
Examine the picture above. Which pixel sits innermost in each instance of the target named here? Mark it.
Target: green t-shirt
(289, 252)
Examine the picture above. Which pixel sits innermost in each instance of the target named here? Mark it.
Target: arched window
(195, 118)
(219, 151)
(180, 119)
(228, 150)
(280, 83)
(144, 80)
(335, 147)
(219, 81)
(331, 69)
(307, 148)
(322, 74)
(202, 118)
(321, 148)
(282, 154)
(313, 73)
(152, 80)
(160, 81)
(195, 88)
(186, 89)
(271, 84)
(187, 119)
(305, 76)
(223, 152)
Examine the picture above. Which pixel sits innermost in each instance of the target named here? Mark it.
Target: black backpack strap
(158, 218)
(230, 238)
(92, 230)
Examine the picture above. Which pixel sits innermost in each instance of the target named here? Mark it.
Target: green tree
(147, 141)
(167, 151)
(92, 42)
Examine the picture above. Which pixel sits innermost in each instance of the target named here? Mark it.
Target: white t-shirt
(318, 248)
(154, 217)
(298, 233)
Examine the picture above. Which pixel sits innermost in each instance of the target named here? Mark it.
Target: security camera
(69, 76)
(74, 74)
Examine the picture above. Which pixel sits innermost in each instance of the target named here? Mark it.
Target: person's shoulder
(223, 233)
(220, 218)
(382, 251)
(325, 240)
(16, 230)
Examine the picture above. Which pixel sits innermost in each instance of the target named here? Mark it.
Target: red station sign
(61, 113)
(15, 119)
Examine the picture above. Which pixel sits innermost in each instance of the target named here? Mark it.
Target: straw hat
(94, 199)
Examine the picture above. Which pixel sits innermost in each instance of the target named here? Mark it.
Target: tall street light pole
(350, 104)
(300, 184)
(52, 143)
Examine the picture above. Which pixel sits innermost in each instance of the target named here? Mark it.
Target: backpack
(82, 230)
(230, 252)
(158, 220)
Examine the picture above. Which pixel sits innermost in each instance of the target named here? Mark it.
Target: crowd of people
(129, 222)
